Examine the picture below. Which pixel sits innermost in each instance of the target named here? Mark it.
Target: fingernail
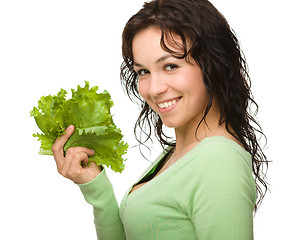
(70, 127)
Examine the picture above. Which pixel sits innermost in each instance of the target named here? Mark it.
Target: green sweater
(208, 194)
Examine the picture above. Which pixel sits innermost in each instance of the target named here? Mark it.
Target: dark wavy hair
(215, 48)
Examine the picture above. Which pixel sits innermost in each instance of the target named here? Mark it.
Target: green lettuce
(89, 112)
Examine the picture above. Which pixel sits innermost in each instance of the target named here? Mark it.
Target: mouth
(168, 105)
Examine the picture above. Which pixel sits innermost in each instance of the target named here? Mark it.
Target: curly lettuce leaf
(89, 112)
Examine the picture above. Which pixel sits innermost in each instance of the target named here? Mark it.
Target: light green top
(208, 194)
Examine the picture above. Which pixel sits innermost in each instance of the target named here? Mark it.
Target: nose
(157, 85)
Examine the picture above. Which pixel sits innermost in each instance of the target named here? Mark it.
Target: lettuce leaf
(89, 112)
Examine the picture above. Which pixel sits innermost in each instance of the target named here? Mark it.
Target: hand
(69, 166)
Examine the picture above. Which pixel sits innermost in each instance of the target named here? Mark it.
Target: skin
(162, 77)
(69, 165)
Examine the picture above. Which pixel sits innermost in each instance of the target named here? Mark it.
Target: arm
(94, 184)
(216, 190)
(99, 193)
(224, 197)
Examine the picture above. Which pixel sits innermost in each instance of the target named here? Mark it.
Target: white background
(48, 45)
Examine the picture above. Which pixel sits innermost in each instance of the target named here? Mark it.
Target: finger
(82, 150)
(58, 145)
(70, 156)
(60, 141)
(72, 167)
(84, 174)
(94, 165)
(76, 163)
(88, 151)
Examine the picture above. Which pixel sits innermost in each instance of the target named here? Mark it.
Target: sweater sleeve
(224, 197)
(99, 193)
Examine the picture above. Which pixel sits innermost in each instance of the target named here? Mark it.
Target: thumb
(68, 132)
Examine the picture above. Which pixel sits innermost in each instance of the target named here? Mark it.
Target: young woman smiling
(183, 63)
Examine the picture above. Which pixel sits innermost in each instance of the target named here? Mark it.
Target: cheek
(194, 83)
(142, 87)
(201, 96)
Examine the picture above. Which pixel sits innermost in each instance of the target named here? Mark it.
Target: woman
(184, 65)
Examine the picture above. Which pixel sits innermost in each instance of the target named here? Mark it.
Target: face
(172, 87)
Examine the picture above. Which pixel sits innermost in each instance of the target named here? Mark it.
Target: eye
(170, 67)
(142, 72)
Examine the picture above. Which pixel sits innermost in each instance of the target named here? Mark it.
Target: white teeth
(167, 104)
(161, 105)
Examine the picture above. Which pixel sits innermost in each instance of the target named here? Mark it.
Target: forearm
(99, 193)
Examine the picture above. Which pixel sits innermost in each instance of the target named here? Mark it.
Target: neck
(189, 135)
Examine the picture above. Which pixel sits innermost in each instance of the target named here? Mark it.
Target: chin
(170, 124)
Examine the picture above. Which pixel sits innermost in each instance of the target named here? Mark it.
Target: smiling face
(172, 87)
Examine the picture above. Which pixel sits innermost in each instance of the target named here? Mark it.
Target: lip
(168, 109)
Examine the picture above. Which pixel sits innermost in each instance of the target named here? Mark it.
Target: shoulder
(214, 155)
(216, 167)
(216, 189)
(219, 160)
(219, 152)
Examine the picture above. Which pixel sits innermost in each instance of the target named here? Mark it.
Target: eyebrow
(159, 60)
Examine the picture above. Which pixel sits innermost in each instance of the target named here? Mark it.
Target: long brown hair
(215, 48)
